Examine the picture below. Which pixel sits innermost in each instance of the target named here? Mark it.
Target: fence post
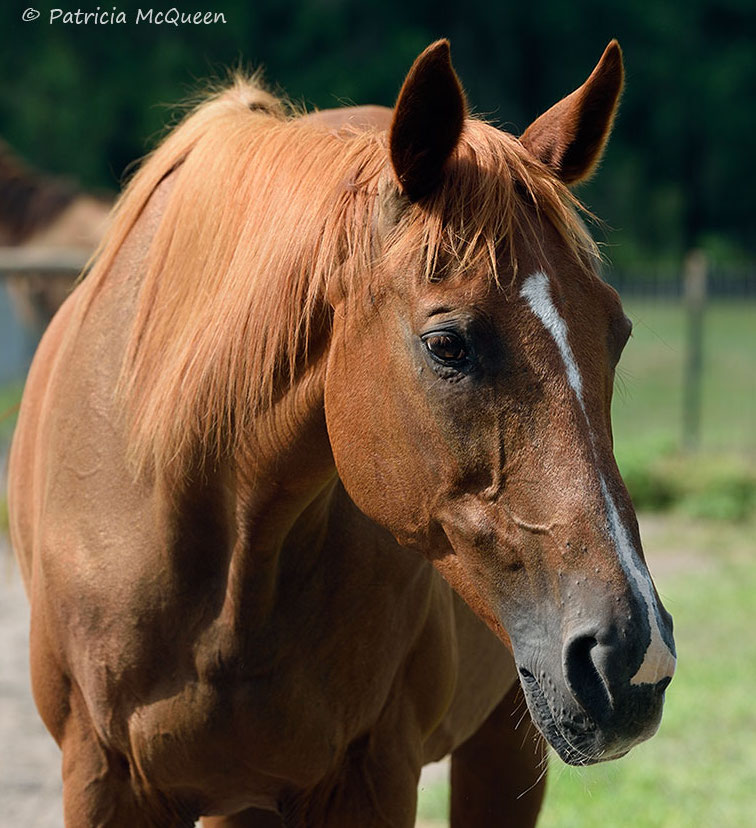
(694, 297)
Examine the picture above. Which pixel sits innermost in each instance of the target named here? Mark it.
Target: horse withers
(313, 478)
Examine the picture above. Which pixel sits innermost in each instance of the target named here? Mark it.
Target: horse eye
(446, 347)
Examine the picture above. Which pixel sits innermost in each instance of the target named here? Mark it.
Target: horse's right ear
(428, 119)
(571, 136)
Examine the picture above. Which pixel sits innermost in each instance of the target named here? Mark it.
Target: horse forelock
(493, 194)
(268, 217)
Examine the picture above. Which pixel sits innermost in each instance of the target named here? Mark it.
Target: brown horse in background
(316, 463)
(45, 213)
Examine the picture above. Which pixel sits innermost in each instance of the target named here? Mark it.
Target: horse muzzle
(585, 697)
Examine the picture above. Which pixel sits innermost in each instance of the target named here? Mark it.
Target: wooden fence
(667, 282)
(42, 261)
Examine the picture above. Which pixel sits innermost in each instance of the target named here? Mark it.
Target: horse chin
(579, 749)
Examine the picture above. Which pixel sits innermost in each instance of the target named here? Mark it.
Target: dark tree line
(87, 100)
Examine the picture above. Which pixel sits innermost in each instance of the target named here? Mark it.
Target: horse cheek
(370, 414)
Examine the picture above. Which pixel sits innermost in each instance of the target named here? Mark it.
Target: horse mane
(268, 216)
(29, 200)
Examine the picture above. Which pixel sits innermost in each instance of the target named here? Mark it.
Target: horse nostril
(584, 677)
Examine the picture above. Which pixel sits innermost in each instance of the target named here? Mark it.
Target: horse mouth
(543, 716)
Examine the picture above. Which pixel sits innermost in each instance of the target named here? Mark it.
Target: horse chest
(285, 703)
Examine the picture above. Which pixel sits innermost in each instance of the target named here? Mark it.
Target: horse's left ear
(571, 136)
(428, 119)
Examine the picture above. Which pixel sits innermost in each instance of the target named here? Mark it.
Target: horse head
(468, 396)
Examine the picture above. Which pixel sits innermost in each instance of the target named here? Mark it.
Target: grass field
(647, 409)
(720, 479)
(699, 769)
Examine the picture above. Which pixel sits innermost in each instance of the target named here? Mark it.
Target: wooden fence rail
(43, 260)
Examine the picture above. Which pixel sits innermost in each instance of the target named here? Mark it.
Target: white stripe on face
(658, 662)
(536, 290)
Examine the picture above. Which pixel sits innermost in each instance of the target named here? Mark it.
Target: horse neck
(288, 458)
(283, 480)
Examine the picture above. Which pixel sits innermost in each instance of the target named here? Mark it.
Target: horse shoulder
(24, 468)
(78, 519)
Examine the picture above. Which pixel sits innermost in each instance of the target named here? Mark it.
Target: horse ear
(570, 137)
(428, 118)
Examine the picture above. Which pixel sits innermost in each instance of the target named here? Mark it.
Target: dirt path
(30, 790)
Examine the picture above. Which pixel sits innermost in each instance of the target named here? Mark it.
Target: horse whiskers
(531, 731)
(527, 790)
(522, 717)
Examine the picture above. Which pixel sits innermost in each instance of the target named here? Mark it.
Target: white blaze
(536, 290)
(659, 661)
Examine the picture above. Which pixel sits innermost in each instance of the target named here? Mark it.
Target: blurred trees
(87, 100)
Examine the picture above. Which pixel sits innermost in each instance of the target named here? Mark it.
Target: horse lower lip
(546, 722)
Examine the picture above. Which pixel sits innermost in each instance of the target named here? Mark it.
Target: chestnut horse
(316, 464)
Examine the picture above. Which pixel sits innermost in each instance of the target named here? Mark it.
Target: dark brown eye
(445, 347)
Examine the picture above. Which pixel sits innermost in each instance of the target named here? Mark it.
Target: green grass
(10, 397)
(699, 769)
(720, 479)
(647, 409)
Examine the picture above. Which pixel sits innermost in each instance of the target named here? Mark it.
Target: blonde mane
(267, 214)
